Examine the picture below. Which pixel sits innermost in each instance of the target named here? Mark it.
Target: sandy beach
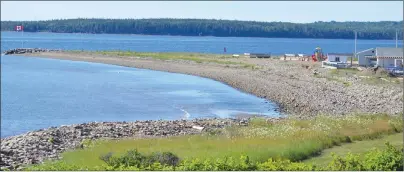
(290, 84)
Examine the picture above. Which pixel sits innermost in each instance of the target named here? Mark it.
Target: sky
(285, 11)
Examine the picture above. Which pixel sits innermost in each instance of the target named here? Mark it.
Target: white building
(381, 56)
(338, 57)
(336, 60)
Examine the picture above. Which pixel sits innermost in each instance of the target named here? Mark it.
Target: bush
(165, 158)
(226, 164)
(383, 160)
(284, 165)
(389, 159)
(135, 160)
(349, 163)
(131, 158)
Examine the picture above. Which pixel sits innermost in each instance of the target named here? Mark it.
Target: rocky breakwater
(36, 146)
(29, 50)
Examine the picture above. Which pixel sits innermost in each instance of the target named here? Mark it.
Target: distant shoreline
(217, 28)
(209, 36)
(290, 85)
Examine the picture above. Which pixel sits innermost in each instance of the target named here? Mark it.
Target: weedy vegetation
(262, 145)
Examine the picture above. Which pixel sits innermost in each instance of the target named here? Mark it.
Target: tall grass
(196, 57)
(387, 159)
(292, 139)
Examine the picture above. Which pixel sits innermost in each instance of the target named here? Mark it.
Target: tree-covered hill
(210, 27)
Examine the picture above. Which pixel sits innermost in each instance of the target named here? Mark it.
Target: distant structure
(338, 57)
(385, 57)
(337, 60)
(259, 55)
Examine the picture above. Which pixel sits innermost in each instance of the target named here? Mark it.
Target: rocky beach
(48, 144)
(301, 89)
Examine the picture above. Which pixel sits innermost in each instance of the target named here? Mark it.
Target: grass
(291, 139)
(346, 83)
(335, 77)
(196, 57)
(357, 147)
(344, 72)
(372, 79)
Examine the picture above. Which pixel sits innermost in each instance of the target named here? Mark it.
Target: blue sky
(298, 12)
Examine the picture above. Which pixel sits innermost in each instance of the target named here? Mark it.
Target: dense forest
(219, 28)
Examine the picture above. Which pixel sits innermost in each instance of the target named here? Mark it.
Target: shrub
(388, 159)
(165, 158)
(131, 158)
(283, 165)
(226, 164)
(349, 163)
(107, 158)
(383, 160)
(135, 159)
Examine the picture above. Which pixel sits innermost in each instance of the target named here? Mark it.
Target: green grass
(343, 72)
(335, 78)
(346, 83)
(389, 158)
(196, 57)
(372, 79)
(291, 139)
(357, 147)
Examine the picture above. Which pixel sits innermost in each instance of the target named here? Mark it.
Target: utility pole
(22, 35)
(354, 56)
(396, 39)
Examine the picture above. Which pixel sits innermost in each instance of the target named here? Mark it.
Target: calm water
(38, 93)
(141, 43)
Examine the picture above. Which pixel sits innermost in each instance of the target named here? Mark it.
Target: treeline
(219, 28)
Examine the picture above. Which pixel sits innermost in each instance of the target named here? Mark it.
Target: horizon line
(78, 18)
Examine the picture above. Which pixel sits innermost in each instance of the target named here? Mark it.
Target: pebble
(47, 144)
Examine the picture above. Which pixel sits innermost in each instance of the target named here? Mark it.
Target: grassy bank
(389, 158)
(357, 147)
(290, 139)
(223, 59)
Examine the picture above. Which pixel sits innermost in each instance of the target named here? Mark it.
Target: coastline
(48, 144)
(290, 84)
(304, 38)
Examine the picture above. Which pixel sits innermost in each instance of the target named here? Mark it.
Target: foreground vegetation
(387, 159)
(262, 146)
(357, 147)
(209, 27)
